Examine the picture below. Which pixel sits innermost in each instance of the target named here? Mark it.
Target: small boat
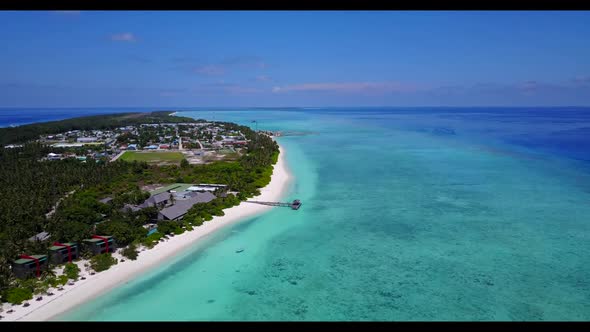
(239, 250)
(296, 204)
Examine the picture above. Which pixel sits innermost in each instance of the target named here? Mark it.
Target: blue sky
(290, 58)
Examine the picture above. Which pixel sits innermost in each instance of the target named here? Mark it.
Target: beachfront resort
(109, 206)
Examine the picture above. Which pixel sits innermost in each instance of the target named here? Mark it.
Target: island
(82, 195)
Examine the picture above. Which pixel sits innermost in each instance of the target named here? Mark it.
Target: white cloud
(348, 87)
(124, 37)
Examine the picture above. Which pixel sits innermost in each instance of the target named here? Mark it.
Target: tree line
(25, 133)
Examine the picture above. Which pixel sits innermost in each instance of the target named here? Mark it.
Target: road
(117, 156)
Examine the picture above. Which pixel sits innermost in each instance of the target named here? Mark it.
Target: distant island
(83, 194)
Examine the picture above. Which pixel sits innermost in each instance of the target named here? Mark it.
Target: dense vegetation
(102, 262)
(72, 271)
(130, 252)
(71, 190)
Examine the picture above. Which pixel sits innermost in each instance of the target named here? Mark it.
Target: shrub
(62, 279)
(178, 230)
(150, 240)
(130, 252)
(43, 287)
(102, 262)
(52, 281)
(166, 226)
(72, 271)
(184, 163)
(17, 295)
(29, 284)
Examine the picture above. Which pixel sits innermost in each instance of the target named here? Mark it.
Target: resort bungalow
(61, 253)
(101, 244)
(29, 266)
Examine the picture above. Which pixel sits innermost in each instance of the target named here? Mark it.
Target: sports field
(151, 156)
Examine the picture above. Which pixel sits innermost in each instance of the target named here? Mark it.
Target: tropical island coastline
(79, 290)
(95, 285)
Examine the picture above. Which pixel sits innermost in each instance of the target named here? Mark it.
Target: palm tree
(48, 273)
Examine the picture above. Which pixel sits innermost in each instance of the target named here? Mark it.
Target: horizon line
(172, 108)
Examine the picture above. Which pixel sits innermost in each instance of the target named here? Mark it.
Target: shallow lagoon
(408, 214)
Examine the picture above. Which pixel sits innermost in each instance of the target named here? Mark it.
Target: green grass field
(152, 156)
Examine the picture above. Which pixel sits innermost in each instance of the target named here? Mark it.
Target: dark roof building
(181, 207)
(133, 208)
(158, 199)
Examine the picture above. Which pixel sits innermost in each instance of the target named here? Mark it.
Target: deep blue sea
(408, 214)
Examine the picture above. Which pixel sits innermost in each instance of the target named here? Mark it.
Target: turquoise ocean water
(408, 214)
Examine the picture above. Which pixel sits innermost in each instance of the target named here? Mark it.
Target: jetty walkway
(295, 205)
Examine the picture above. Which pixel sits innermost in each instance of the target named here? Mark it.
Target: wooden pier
(295, 205)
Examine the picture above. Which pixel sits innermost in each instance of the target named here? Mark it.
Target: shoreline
(94, 285)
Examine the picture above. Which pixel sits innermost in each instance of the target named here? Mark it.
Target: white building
(87, 139)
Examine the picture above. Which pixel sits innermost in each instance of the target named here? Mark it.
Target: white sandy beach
(94, 285)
